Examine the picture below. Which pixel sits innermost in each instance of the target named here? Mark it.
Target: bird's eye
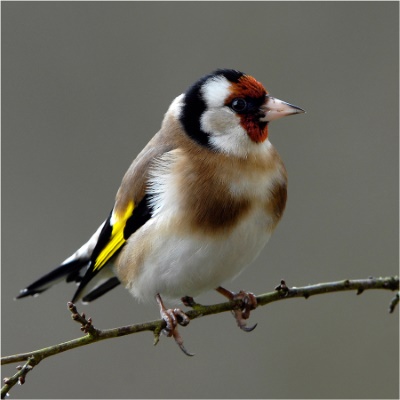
(239, 105)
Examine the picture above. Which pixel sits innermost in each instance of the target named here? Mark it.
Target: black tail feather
(71, 269)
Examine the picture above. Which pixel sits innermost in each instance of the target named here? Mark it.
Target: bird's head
(229, 111)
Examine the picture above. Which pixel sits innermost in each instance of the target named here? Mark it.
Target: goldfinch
(195, 207)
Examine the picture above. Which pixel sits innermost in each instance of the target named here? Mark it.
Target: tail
(70, 271)
(73, 269)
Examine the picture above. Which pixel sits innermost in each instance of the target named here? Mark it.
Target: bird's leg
(248, 303)
(172, 318)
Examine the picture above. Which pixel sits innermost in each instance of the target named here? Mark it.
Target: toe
(172, 318)
(242, 313)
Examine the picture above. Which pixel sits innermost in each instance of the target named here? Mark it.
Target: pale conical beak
(275, 109)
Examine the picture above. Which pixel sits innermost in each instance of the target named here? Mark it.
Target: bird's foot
(172, 318)
(248, 302)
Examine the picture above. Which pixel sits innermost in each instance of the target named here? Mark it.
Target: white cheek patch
(226, 134)
(215, 91)
(218, 121)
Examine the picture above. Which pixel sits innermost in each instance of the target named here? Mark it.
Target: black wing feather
(140, 215)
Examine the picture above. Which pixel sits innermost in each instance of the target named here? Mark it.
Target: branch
(281, 292)
(18, 377)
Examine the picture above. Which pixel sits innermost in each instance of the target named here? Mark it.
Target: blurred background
(85, 86)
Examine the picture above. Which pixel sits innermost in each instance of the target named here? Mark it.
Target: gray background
(85, 86)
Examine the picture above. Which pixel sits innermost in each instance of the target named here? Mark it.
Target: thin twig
(19, 377)
(93, 335)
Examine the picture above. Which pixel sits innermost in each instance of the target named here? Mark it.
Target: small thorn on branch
(156, 337)
(282, 288)
(394, 302)
(188, 301)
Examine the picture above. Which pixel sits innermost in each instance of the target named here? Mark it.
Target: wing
(120, 224)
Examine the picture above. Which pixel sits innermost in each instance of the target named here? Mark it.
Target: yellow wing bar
(117, 236)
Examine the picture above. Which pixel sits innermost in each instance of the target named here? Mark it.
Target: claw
(241, 321)
(249, 302)
(172, 318)
(179, 342)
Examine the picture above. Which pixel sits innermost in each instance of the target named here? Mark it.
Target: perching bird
(196, 206)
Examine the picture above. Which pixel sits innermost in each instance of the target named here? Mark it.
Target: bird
(196, 206)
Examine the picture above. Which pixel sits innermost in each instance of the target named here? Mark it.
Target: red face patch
(248, 87)
(257, 131)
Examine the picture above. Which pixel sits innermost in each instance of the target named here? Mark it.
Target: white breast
(187, 265)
